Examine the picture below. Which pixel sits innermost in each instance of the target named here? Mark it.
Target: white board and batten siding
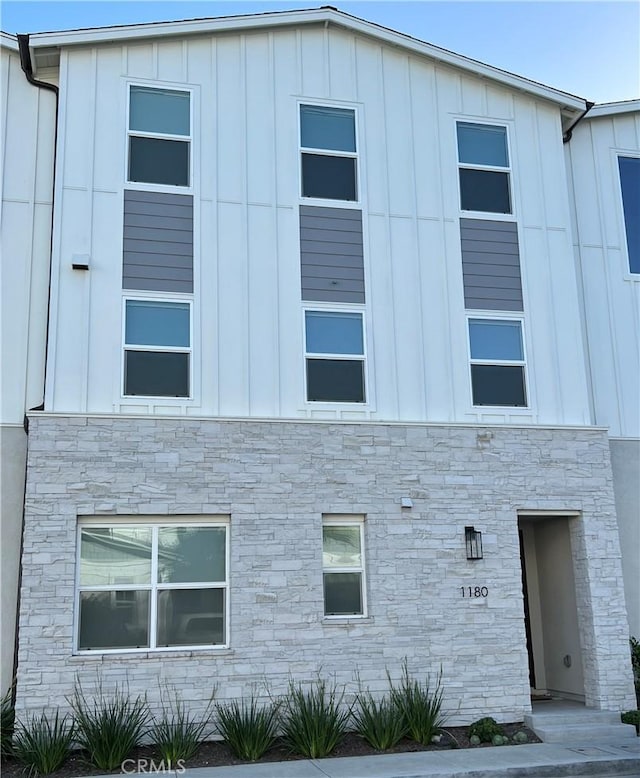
(247, 304)
(611, 292)
(27, 117)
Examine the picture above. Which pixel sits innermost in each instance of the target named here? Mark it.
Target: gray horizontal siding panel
(159, 285)
(491, 264)
(156, 247)
(333, 296)
(316, 211)
(158, 242)
(131, 195)
(158, 222)
(331, 254)
(331, 235)
(170, 260)
(322, 271)
(331, 260)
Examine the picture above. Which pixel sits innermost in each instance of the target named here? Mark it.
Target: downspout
(27, 68)
(568, 134)
(25, 63)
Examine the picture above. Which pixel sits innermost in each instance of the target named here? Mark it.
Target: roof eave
(568, 102)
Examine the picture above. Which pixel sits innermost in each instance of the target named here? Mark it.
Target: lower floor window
(343, 567)
(497, 362)
(155, 585)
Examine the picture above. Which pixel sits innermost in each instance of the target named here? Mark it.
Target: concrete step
(570, 717)
(584, 733)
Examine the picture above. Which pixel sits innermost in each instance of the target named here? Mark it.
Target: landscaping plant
(109, 726)
(7, 721)
(632, 717)
(380, 723)
(43, 745)
(485, 729)
(314, 721)
(419, 706)
(635, 664)
(176, 735)
(248, 728)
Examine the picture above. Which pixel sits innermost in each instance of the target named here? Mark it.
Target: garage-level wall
(275, 481)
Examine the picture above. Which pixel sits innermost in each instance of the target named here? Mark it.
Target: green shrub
(42, 744)
(7, 722)
(632, 717)
(109, 726)
(175, 734)
(635, 664)
(313, 722)
(247, 728)
(419, 706)
(380, 723)
(486, 729)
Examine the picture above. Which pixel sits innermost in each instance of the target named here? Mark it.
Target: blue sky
(591, 49)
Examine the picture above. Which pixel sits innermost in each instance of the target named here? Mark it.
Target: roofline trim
(610, 109)
(310, 16)
(8, 41)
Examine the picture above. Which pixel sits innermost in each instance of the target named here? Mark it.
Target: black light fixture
(473, 541)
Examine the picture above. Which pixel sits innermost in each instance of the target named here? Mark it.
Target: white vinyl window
(497, 362)
(328, 153)
(157, 348)
(335, 357)
(343, 567)
(484, 168)
(159, 136)
(151, 585)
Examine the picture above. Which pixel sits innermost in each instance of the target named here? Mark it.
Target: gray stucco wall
(13, 455)
(276, 480)
(625, 463)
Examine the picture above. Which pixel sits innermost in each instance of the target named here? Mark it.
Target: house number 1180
(474, 591)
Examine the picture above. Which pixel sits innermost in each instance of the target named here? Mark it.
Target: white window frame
(617, 153)
(488, 215)
(334, 308)
(154, 298)
(189, 139)
(326, 202)
(339, 520)
(153, 587)
(481, 316)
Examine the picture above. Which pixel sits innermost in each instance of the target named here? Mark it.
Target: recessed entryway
(551, 615)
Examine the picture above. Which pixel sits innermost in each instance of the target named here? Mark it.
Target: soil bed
(217, 754)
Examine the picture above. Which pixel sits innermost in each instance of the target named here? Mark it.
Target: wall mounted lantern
(473, 541)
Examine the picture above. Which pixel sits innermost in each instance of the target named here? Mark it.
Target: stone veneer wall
(275, 479)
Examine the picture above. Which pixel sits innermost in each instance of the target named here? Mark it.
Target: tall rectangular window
(343, 567)
(483, 159)
(157, 348)
(328, 153)
(159, 136)
(151, 585)
(497, 362)
(629, 168)
(334, 342)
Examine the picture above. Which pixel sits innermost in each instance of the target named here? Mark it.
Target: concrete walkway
(539, 760)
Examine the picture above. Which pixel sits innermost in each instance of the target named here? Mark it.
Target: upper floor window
(151, 585)
(630, 184)
(157, 348)
(159, 136)
(483, 157)
(328, 153)
(497, 362)
(334, 356)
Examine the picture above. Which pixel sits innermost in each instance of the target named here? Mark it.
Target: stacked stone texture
(275, 480)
